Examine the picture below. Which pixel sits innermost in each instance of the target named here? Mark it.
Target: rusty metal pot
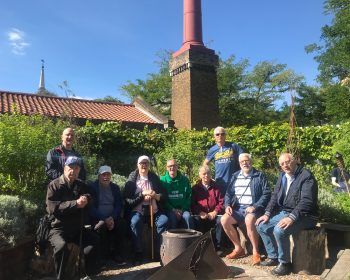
(175, 242)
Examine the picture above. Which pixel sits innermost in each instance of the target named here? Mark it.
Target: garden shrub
(25, 141)
(17, 219)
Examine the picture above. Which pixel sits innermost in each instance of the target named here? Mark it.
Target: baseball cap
(105, 169)
(72, 160)
(141, 158)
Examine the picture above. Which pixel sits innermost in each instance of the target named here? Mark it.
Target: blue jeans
(276, 239)
(136, 223)
(186, 220)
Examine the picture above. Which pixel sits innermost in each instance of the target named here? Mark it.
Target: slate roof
(26, 103)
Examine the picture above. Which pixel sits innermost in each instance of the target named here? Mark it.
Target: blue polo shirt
(226, 161)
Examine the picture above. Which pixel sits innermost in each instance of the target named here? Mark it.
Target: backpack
(42, 233)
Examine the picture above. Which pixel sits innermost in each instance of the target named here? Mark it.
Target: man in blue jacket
(105, 215)
(293, 207)
(245, 200)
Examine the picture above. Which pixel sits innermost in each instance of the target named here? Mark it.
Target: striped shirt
(242, 189)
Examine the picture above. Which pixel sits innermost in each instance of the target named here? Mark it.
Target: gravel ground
(245, 263)
(242, 269)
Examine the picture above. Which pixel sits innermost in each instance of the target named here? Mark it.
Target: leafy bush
(17, 219)
(25, 141)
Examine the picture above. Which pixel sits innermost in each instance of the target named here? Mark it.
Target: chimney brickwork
(194, 89)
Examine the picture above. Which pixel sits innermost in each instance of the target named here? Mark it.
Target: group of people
(238, 195)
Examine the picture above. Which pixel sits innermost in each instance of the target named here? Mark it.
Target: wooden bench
(308, 249)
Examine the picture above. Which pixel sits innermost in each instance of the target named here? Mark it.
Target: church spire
(42, 89)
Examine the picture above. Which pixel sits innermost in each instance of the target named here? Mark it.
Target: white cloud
(16, 39)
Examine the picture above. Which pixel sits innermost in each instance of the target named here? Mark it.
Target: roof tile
(27, 104)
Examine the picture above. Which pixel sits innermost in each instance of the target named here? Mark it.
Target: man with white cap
(105, 215)
(143, 193)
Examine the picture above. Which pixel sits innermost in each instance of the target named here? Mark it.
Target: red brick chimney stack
(193, 71)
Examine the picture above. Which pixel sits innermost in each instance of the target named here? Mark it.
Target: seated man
(67, 198)
(105, 215)
(179, 192)
(293, 207)
(207, 205)
(245, 200)
(145, 198)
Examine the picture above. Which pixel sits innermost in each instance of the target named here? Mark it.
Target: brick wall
(194, 89)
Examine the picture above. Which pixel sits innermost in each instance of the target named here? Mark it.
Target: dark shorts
(239, 213)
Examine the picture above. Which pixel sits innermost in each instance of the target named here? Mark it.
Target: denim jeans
(136, 224)
(276, 239)
(186, 220)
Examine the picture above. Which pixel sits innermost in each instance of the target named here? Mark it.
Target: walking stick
(80, 242)
(151, 215)
(81, 252)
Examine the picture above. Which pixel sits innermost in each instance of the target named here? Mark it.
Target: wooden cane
(151, 215)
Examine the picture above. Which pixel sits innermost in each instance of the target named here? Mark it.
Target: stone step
(341, 270)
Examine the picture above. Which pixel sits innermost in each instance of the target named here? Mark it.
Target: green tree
(250, 97)
(310, 106)
(337, 102)
(333, 55)
(156, 89)
(269, 81)
(109, 98)
(245, 98)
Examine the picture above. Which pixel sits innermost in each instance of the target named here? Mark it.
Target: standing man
(179, 192)
(57, 156)
(245, 201)
(225, 155)
(67, 200)
(292, 208)
(105, 215)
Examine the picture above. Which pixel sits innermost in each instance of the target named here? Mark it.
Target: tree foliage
(25, 140)
(24, 143)
(156, 89)
(333, 55)
(249, 98)
(310, 106)
(109, 98)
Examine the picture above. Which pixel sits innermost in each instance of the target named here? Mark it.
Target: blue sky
(97, 46)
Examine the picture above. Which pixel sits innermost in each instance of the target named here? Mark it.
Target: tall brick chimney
(194, 79)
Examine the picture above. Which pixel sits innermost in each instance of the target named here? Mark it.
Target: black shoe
(282, 269)
(269, 262)
(119, 261)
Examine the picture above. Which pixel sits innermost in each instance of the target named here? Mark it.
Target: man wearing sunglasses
(225, 156)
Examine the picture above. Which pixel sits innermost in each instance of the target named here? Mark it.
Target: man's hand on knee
(285, 222)
(262, 220)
